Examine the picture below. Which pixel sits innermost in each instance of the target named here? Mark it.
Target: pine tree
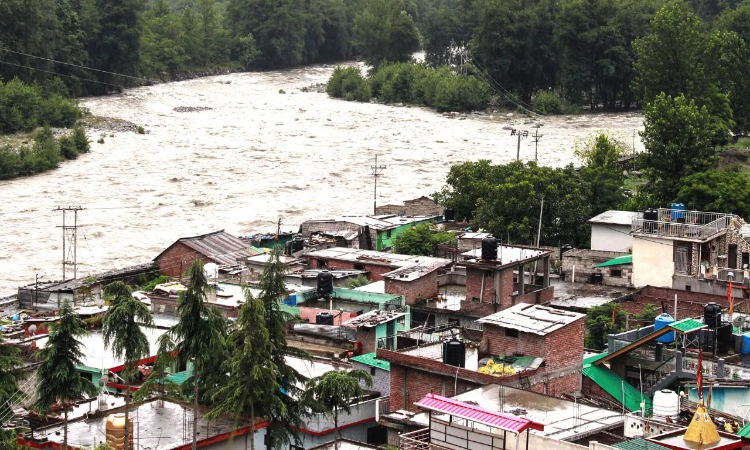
(123, 334)
(10, 363)
(58, 379)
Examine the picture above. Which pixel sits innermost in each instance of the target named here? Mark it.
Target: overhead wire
(484, 74)
(60, 74)
(2, 49)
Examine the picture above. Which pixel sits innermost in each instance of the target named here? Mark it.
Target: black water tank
(489, 248)
(454, 353)
(651, 214)
(324, 318)
(597, 278)
(712, 315)
(325, 283)
(724, 339)
(449, 214)
(299, 243)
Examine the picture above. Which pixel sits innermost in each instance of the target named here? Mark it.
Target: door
(681, 259)
(732, 257)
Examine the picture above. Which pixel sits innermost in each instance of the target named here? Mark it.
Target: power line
(72, 65)
(60, 74)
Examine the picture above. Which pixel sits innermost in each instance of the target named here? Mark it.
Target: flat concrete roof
(615, 217)
(535, 319)
(360, 256)
(158, 426)
(374, 318)
(506, 254)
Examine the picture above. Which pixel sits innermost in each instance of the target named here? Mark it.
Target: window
(475, 299)
(454, 322)
(615, 273)
(688, 288)
(322, 263)
(388, 234)
(372, 371)
(509, 332)
(359, 267)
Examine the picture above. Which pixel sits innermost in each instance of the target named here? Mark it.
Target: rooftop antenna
(376, 172)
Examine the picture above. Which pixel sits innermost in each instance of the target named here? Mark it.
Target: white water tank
(666, 404)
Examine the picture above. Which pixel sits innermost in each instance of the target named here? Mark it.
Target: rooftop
(371, 359)
(159, 427)
(379, 223)
(345, 444)
(375, 318)
(356, 255)
(220, 246)
(536, 319)
(411, 273)
(506, 254)
(615, 217)
(477, 414)
(682, 224)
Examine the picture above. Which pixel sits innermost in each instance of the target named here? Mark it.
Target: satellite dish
(211, 271)
(738, 321)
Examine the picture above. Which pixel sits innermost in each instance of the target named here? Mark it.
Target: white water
(256, 156)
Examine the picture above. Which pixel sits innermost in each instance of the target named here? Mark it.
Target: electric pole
(376, 172)
(70, 239)
(536, 137)
(519, 133)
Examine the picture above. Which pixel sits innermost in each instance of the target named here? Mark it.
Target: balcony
(680, 224)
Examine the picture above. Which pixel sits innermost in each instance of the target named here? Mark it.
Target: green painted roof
(614, 385)
(293, 310)
(89, 369)
(180, 377)
(625, 259)
(745, 431)
(591, 359)
(687, 325)
(639, 444)
(371, 360)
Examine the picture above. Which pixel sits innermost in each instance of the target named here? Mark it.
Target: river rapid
(256, 156)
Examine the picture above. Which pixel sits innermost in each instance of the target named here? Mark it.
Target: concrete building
(366, 232)
(256, 264)
(546, 355)
(690, 250)
(422, 206)
(380, 371)
(219, 247)
(613, 268)
(610, 231)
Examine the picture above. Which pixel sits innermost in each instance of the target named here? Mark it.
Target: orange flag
(730, 299)
(699, 374)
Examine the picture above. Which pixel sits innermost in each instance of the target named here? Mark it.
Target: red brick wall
(177, 260)
(420, 383)
(689, 304)
(537, 297)
(367, 337)
(425, 287)
(560, 349)
(474, 286)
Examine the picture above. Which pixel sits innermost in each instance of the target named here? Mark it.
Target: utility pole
(519, 133)
(376, 172)
(536, 137)
(70, 240)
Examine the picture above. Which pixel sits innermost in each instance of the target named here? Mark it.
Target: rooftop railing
(683, 224)
(418, 440)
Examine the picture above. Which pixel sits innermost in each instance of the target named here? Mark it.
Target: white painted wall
(652, 262)
(613, 238)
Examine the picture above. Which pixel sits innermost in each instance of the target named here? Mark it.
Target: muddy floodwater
(255, 156)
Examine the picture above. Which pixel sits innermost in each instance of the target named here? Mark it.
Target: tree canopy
(422, 239)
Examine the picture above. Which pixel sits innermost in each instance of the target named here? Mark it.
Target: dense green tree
(515, 44)
(123, 334)
(385, 31)
(251, 385)
(728, 55)
(717, 190)
(162, 41)
(158, 380)
(599, 324)
(199, 335)
(679, 142)
(602, 172)
(58, 379)
(422, 239)
(334, 392)
(10, 375)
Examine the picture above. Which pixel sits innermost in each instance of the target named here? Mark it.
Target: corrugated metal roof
(219, 246)
(535, 319)
(639, 444)
(370, 359)
(687, 325)
(620, 260)
(476, 414)
(615, 217)
(745, 431)
(614, 385)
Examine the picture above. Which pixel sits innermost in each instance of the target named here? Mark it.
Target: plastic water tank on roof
(489, 248)
(666, 404)
(660, 322)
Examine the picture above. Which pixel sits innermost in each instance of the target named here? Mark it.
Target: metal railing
(659, 373)
(421, 335)
(685, 224)
(416, 440)
(739, 275)
(382, 407)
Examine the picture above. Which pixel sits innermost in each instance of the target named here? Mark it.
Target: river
(256, 155)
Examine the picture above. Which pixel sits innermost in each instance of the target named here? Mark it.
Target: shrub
(140, 130)
(348, 83)
(100, 140)
(24, 107)
(68, 147)
(547, 102)
(81, 140)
